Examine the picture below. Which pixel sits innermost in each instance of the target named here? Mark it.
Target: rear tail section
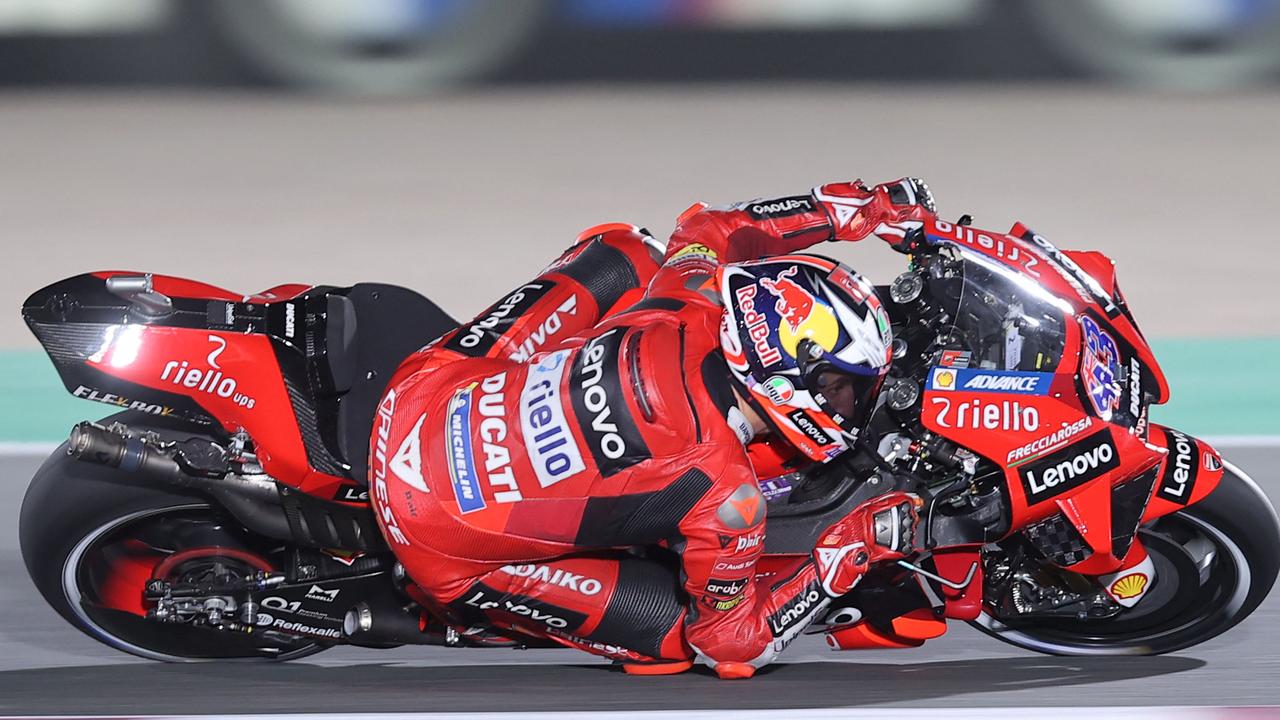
(295, 371)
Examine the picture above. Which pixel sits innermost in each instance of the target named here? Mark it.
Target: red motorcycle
(223, 512)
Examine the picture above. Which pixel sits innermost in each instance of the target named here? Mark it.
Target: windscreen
(1007, 321)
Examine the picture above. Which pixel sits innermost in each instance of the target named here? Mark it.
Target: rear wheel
(1215, 563)
(90, 544)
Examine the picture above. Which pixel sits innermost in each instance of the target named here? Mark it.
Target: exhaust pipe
(388, 626)
(255, 503)
(260, 503)
(96, 445)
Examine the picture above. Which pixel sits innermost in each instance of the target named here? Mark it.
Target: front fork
(1131, 582)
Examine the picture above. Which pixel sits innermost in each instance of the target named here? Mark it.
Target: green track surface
(1220, 387)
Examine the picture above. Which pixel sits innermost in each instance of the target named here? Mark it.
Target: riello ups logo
(1069, 467)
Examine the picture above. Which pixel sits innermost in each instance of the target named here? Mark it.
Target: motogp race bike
(223, 512)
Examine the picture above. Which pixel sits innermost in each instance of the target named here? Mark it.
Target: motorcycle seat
(369, 332)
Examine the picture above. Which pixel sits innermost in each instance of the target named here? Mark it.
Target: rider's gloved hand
(880, 529)
(888, 211)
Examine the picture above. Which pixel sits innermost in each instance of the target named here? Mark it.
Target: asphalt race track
(47, 667)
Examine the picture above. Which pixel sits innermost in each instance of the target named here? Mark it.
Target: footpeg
(366, 626)
(938, 578)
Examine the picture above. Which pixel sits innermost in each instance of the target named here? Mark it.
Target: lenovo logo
(1069, 468)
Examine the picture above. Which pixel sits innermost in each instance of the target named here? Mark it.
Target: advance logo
(1069, 467)
(1001, 381)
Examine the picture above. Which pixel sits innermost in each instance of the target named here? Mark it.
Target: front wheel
(1216, 561)
(90, 544)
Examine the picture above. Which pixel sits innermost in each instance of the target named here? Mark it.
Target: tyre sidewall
(1240, 509)
(1237, 508)
(68, 500)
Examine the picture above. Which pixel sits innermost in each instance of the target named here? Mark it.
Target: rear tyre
(1216, 561)
(90, 543)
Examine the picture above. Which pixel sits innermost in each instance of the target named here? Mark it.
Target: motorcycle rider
(605, 405)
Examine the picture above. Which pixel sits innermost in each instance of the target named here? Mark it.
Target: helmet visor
(848, 397)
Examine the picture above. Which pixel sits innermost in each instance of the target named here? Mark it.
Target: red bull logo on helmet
(794, 304)
(803, 315)
(757, 325)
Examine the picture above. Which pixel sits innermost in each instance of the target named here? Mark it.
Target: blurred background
(456, 146)
(408, 47)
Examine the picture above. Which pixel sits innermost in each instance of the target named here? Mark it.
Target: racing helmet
(810, 341)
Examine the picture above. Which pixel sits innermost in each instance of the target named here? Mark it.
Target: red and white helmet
(810, 341)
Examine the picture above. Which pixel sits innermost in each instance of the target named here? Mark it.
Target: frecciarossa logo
(600, 405)
(1069, 468)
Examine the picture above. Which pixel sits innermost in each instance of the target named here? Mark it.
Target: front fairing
(1048, 379)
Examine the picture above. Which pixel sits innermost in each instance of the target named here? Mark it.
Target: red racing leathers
(517, 458)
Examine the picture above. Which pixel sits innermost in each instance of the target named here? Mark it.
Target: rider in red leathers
(605, 405)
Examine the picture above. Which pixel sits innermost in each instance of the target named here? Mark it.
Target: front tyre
(91, 543)
(1216, 561)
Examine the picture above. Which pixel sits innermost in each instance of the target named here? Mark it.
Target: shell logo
(944, 379)
(1130, 586)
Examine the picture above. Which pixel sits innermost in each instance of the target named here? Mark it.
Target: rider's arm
(706, 237)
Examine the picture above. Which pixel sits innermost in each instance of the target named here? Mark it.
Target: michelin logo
(462, 467)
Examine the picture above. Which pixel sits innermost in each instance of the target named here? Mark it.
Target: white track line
(950, 713)
(19, 449)
(1245, 441)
